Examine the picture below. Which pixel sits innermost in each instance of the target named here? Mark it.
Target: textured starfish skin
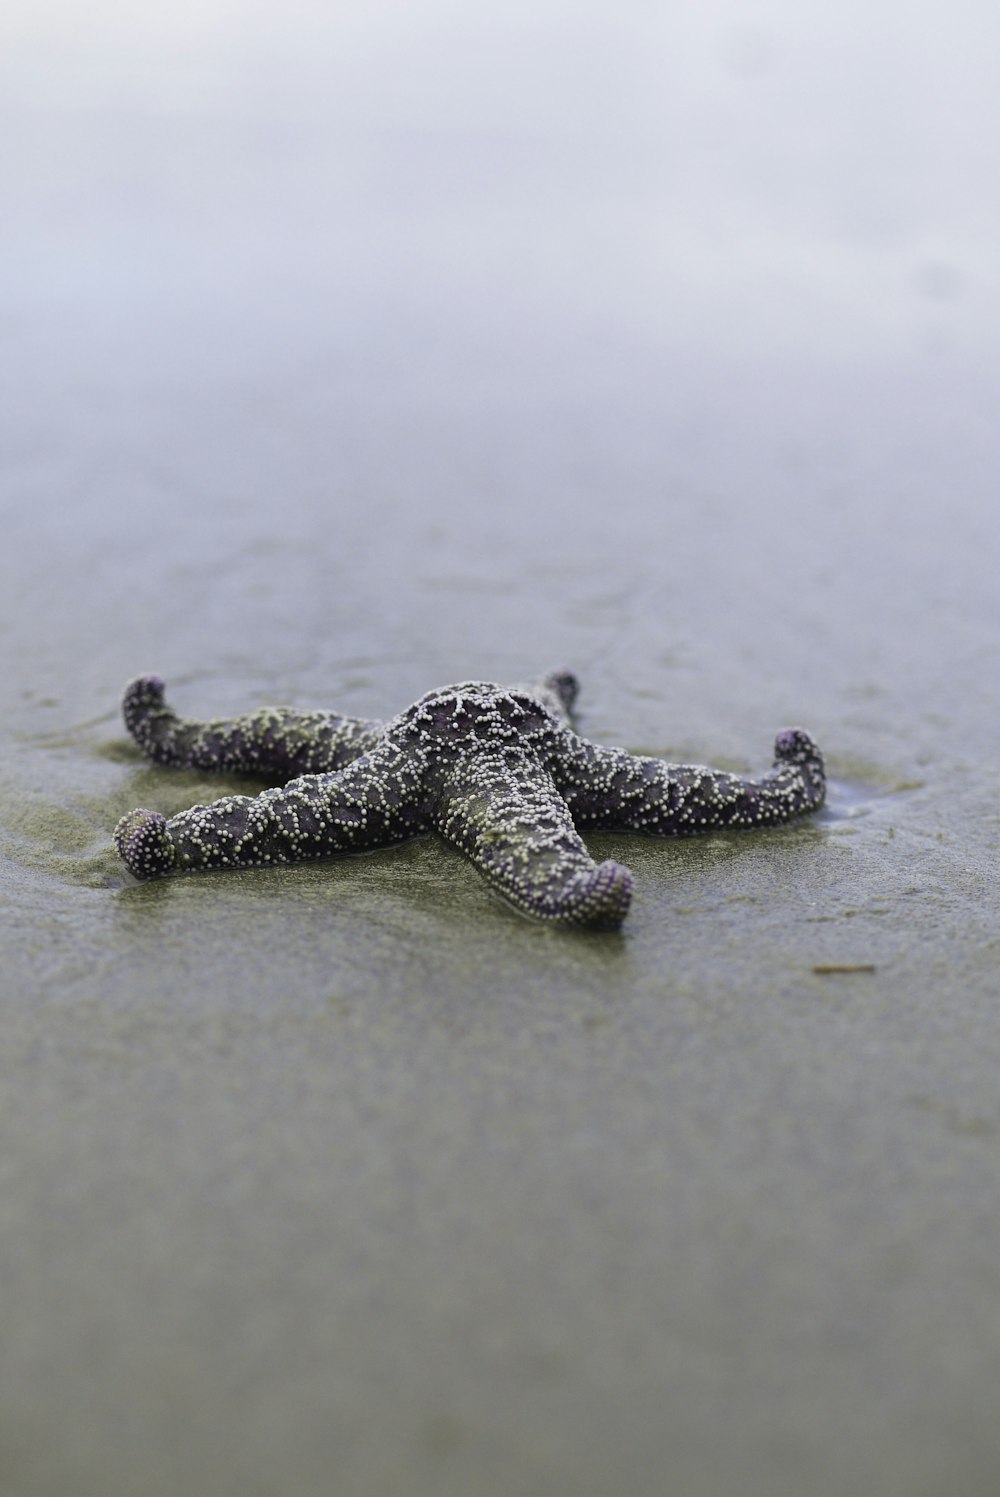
(497, 771)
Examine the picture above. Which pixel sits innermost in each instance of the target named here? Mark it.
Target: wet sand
(347, 1178)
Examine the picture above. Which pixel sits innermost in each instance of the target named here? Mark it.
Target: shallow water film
(350, 353)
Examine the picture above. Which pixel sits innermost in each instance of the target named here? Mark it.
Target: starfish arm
(557, 692)
(274, 741)
(377, 800)
(609, 787)
(505, 813)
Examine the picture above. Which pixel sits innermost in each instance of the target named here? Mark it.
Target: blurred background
(714, 286)
(430, 194)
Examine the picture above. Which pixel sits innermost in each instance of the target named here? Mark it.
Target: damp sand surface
(345, 1178)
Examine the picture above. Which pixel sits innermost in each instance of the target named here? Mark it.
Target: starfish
(498, 772)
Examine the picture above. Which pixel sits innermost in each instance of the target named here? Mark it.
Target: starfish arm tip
(599, 897)
(796, 746)
(143, 844)
(144, 691)
(565, 684)
(142, 707)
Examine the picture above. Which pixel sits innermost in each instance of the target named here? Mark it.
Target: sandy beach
(334, 369)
